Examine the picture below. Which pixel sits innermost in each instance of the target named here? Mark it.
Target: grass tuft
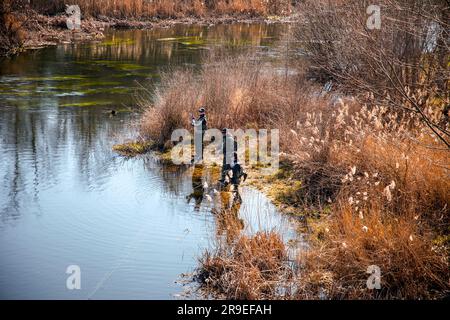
(134, 148)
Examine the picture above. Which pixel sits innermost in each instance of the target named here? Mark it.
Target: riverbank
(48, 31)
(27, 29)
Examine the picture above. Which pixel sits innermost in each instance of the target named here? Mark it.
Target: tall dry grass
(377, 162)
(239, 92)
(252, 267)
(144, 9)
(387, 178)
(411, 266)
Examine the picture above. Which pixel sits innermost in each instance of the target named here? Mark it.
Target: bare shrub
(12, 33)
(403, 64)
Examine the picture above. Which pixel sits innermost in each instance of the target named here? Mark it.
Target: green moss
(55, 78)
(132, 149)
(87, 104)
(90, 83)
(116, 42)
(291, 194)
(442, 241)
(120, 65)
(193, 42)
(116, 90)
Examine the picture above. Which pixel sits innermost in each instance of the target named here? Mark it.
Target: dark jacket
(229, 147)
(201, 121)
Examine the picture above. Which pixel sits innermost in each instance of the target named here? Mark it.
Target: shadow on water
(133, 226)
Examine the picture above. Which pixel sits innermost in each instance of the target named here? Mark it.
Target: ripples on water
(66, 198)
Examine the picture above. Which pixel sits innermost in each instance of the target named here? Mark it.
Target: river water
(67, 199)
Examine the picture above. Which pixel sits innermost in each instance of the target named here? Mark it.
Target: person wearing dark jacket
(229, 146)
(200, 126)
(230, 159)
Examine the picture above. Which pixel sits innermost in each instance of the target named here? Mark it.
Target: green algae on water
(116, 42)
(87, 104)
(55, 78)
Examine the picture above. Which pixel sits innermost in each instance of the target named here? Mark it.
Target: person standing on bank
(200, 126)
(238, 171)
(229, 146)
(230, 159)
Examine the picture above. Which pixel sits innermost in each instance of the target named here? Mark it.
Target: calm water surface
(67, 199)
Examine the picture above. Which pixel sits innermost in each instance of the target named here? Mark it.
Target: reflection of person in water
(197, 187)
(228, 221)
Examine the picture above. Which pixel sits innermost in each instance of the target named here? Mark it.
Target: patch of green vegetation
(86, 104)
(186, 40)
(97, 83)
(285, 170)
(237, 43)
(291, 194)
(134, 148)
(93, 85)
(130, 67)
(116, 42)
(55, 78)
(442, 241)
(193, 42)
(114, 90)
(165, 156)
(121, 66)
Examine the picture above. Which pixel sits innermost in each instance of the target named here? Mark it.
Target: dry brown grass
(384, 177)
(238, 92)
(144, 9)
(249, 268)
(411, 266)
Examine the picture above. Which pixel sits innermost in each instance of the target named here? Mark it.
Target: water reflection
(229, 222)
(198, 187)
(104, 74)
